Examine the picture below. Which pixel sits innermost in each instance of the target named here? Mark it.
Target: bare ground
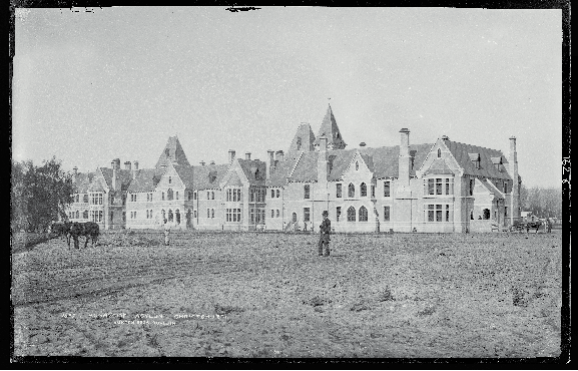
(400, 295)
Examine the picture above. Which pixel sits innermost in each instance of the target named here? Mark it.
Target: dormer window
(475, 158)
(497, 161)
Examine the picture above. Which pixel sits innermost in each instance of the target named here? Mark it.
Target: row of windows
(435, 186)
(258, 195)
(257, 216)
(435, 213)
(275, 193)
(234, 194)
(233, 215)
(170, 216)
(351, 190)
(275, 213)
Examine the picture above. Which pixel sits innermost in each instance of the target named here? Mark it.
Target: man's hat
(325, 213)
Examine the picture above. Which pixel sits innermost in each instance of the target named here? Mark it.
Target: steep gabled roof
(122, 175)
(186, 173)
(303, 139)
(174, 153)
(492, 188)
(330, 130)
(383, 161)
(280, 172)
(208, 176)
(255, 171)
(82, 182)
(145, 180)
(439, 166)
(461, 153)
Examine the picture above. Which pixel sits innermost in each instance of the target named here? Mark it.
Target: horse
(535, 224)
(90, 230)
(61, 229)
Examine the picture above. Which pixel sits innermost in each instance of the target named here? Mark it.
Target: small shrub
(385, 295)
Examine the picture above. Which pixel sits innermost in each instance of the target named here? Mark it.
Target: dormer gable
(475, 159)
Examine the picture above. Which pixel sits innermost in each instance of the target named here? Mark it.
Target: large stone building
(444, 186)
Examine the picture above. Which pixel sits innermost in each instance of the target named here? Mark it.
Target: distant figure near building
(167, 228)
(324, 230)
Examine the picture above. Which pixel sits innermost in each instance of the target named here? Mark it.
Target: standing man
(167, 228)
(324, 230)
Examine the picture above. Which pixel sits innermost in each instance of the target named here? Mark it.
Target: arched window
(212, 195)
(85, 198)
(163, 194)
(188, 217)
(85, 214)
(163, 214)
(351, 190)
(439, 152)
(272, 193)
(277, 213)
(178, 216)
(170, 215)
(272, 213)
(77, 214)
(195, 214)
(362, 214)
(351, 214)
(212, 213)
(486, 214)
(194, 195)
(170, 194)
(363, 190)
(177, 195)
(170, 180)
(278, 193)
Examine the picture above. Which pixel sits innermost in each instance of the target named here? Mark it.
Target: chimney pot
(231, 156)
(279, 156)
(445, 137)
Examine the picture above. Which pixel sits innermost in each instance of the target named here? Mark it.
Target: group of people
(324, 233)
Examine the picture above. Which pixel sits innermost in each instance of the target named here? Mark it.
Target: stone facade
(444, 187)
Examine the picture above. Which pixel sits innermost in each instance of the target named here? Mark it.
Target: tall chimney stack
(322, 161)
(514, 213)
(270, 163)
(248, 156)
(231, 156)
(404, 157)
(127, 165)
(279, 156)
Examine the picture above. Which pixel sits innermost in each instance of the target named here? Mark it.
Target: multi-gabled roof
(461, 152)
(174, 153)
(383, 161)
(124, 176)
(208, 176)
(82, 182)
(255, 171)
(330, 130)
(145, 180)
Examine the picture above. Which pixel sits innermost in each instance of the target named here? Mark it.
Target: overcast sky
(117, 82)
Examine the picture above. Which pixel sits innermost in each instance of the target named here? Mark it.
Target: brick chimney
(270, 163)
(404, 158)
(231, 156)
(279, 156)
(514, 212)
(135, 162)
(248, 156)
(127, 165)
(322, 161)
(135, 169)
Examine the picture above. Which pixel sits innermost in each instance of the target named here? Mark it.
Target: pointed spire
(330, 130)
(174, 153)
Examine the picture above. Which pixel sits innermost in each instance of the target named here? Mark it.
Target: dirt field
(270, 295)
